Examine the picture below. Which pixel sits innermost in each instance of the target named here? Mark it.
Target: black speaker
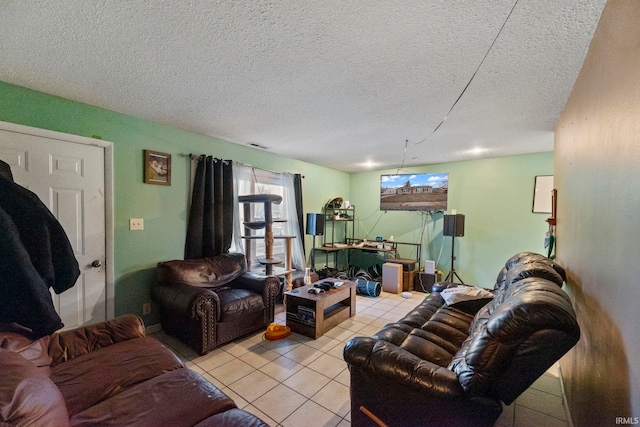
(315, 224)
(453, 225)
(423, 282)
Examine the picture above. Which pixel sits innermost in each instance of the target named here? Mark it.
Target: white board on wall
(542, 194)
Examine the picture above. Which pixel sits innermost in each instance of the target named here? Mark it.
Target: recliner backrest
(523, 258)
(515, 339)
(208, 272)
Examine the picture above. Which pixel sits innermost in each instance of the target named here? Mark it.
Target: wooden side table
(329, 309)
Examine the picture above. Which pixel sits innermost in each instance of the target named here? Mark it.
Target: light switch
(136, 224)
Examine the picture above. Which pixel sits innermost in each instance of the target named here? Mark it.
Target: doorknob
(96, 263)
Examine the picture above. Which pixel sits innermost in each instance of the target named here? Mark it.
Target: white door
(69, 179)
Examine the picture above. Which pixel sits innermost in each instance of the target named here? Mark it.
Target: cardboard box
(392, 277)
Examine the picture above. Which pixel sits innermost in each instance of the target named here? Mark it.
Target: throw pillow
(469, 299)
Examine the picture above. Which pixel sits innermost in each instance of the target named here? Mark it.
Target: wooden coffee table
(329, 309)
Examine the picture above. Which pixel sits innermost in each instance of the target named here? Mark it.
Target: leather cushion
(538, 269)
(436, 341)
(177, 398)
(75, 342)
(27, 396)
(204, 272)
(527, 257)
(233, 418)
(235, 303)
(33, 350)
(93, 377)
(417, 317)
(502, 276)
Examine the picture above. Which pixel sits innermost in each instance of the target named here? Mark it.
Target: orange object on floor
(276, 331)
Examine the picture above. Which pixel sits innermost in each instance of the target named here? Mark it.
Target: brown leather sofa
(455, 364)
(210, 301)
(108, 374)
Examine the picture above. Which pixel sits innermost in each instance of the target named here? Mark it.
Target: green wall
(495, 195)
(163, 208)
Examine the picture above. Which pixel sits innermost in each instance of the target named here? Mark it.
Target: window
(264, 183)
(248, 180)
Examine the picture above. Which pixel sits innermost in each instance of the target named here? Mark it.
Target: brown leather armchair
(210, 301)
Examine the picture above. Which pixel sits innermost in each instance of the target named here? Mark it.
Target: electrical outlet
(146, 308)
(136, 224)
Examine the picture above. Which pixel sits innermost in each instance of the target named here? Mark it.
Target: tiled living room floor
(297, 381)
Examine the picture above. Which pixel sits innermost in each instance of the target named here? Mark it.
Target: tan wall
(597, 174)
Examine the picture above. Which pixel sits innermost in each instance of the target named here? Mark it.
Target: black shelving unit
(334, 218)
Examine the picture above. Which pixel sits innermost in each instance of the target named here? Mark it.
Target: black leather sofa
(210, 301)
(453, 364)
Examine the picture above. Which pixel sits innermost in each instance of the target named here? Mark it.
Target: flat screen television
(414, 192)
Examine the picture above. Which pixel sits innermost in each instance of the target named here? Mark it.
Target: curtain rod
(262, 169)
(196, 156)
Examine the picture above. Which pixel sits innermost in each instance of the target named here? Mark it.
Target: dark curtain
(297, 187)
(210, 226)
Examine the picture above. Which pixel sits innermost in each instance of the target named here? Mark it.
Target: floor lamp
(454, 227)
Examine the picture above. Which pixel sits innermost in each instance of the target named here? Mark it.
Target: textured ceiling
(340, 84)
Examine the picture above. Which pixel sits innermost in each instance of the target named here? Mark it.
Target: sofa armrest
(189, 312)
(267, 286)
(28, 397)
(381, 358)
(66, 345)
(186, 300)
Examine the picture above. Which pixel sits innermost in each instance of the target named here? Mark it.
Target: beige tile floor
(298, 382)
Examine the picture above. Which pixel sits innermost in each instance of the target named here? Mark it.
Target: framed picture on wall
(157, 168)
(542, 194)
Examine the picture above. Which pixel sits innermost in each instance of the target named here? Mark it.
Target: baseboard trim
(565, 404)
